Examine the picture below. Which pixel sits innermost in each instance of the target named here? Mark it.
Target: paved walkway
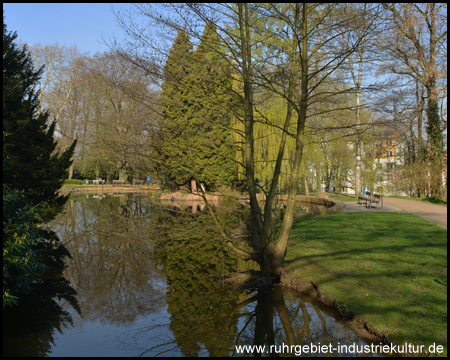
(434, 213)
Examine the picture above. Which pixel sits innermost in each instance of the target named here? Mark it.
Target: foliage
(193, 256)
(435, 200)
(20, 236)
(31, 161)
(421, 175)
(33, 173)
(195, 137)
(419, 32)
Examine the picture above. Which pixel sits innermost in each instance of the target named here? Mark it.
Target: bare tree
(305, 30)
(417, 45)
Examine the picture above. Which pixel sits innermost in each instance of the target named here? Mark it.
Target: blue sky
(68, 24)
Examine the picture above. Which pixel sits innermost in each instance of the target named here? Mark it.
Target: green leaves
(195, 133)
(20, 234)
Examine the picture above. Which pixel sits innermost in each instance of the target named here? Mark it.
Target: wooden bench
(364, 198)
(369, 199)
(118, 182)
(377, 199)
(155, 182)
(138, 182)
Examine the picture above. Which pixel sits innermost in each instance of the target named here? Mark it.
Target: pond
(145, 280)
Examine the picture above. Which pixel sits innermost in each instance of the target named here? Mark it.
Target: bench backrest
(367, 193)
(376, 196)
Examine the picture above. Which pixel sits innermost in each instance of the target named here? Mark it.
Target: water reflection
(113, 268)
(148, 282)
(29, 328)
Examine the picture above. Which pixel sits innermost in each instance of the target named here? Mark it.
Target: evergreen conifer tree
(195, 97)
(213, 105)
(31, 161)
(176, 102)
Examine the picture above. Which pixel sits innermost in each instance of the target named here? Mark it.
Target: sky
(68, 24)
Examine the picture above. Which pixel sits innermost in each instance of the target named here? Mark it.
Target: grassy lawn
(390, 269)
(343, 198)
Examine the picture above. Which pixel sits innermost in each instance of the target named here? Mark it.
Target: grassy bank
(389, 269)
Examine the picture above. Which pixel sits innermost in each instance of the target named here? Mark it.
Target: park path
(434, 213)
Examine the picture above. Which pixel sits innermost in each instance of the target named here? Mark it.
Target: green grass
(390, 269)
(74, 182)
(343, 198)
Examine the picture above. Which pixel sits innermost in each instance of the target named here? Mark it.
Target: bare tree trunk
(256, 224)
(279, 248)
(358, 147)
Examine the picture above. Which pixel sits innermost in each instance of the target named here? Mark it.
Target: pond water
(145, 281)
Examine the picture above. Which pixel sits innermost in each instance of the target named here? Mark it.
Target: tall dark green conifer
(176, 101)
(30, 160)
(196, 100)
(213, 103)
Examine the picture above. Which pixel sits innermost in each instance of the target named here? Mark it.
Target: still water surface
(147, 283)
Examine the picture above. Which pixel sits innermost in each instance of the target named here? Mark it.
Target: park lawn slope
(389, 269)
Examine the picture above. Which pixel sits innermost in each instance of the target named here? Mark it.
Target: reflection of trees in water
(193, 257)
(210, 319)
(29, 327)
(211, 323)
(277, 318)
(148, 244)
(113, 269)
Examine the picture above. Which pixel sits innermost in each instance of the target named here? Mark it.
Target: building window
(388, 142)
(378, 155)
(389, 154)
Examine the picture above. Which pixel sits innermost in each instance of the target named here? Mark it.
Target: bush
(435, 200)
(20, 235)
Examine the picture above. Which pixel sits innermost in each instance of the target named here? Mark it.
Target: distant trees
(416, 51)
(98, 100)
(121, 124)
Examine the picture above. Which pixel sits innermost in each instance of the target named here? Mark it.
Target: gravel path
(434, 213)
